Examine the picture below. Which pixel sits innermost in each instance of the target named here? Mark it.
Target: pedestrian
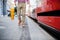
(21, 10)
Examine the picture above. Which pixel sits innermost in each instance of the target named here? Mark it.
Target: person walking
(21, 10)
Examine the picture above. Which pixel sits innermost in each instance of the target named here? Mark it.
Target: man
(21, 10)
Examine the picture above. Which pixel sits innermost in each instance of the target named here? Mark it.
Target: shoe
(23, 26)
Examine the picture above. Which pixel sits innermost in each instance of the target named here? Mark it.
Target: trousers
(21, 10)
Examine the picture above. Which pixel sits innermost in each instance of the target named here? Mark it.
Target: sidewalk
(11, 30)
(31, 31)
(36, 32)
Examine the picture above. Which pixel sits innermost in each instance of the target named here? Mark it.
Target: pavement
(9, 30)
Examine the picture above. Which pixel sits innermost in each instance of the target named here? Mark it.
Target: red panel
(38, 10)
(49, 5)
(51, 21)
(54, 4)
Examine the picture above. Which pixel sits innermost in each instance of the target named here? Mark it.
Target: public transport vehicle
(49, 15)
